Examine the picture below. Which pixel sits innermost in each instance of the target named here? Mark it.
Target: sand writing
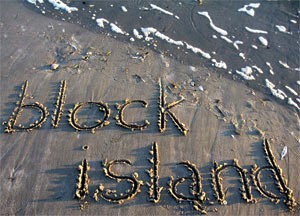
(164, 111)
(59, 104)
(73, 120)
(217, 182)
(282, 185)
(112, 195)
(196, 196)
(154, 189)
(121, 120)
(83, 183)
(196, 188)
(11, 124)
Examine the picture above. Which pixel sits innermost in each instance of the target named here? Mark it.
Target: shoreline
(235, 53)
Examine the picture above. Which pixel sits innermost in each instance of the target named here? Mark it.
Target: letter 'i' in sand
(154, 189)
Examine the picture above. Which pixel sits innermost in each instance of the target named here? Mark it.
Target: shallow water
(257, 44)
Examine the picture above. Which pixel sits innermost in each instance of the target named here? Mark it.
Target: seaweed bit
(217, 182)
(154, 189)
(281, 182)
(60, 102)
(10, 125)
(73, 120)
(112, 195)
(196, 188)
(165, 109)
(120, 116)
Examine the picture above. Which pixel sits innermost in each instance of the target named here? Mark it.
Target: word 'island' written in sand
(195, 191)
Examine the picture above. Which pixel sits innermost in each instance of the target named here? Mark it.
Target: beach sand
(39, 169)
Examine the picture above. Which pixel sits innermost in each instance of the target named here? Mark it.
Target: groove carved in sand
(281, 181)
(60, 102)
(73, 120)
(164, 109)
(82, 186)
(154, 189)
(217, 182)
(10, 125)
(120, 117)
(198, 197)
(112, 195)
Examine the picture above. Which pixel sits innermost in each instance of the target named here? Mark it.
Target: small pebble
(54, 66)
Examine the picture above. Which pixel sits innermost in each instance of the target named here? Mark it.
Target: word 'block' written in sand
(164, 110)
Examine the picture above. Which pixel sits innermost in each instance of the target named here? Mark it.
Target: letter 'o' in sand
(73, 120)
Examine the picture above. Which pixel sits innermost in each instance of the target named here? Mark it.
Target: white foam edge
(220, 64)
(150, 30)
(291, 90)
(293, 103)
(124, 9)
(117, 29)
(259, 70)
(137, 34)
(34, 1)
(101, 21)
(250, 11)
(263, 41)
(246, 73)
(276, 92)
(198, 50)
(226, 39)
(256, 31)
(282, 28)
(212, 25)
(270, 68)
(155, 7)
(58, 4)
(236, 44)
(284, 64)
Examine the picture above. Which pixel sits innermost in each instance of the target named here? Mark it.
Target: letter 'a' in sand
(199, 195)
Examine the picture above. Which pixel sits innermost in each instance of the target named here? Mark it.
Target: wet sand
(39, 168)
(181, 21)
